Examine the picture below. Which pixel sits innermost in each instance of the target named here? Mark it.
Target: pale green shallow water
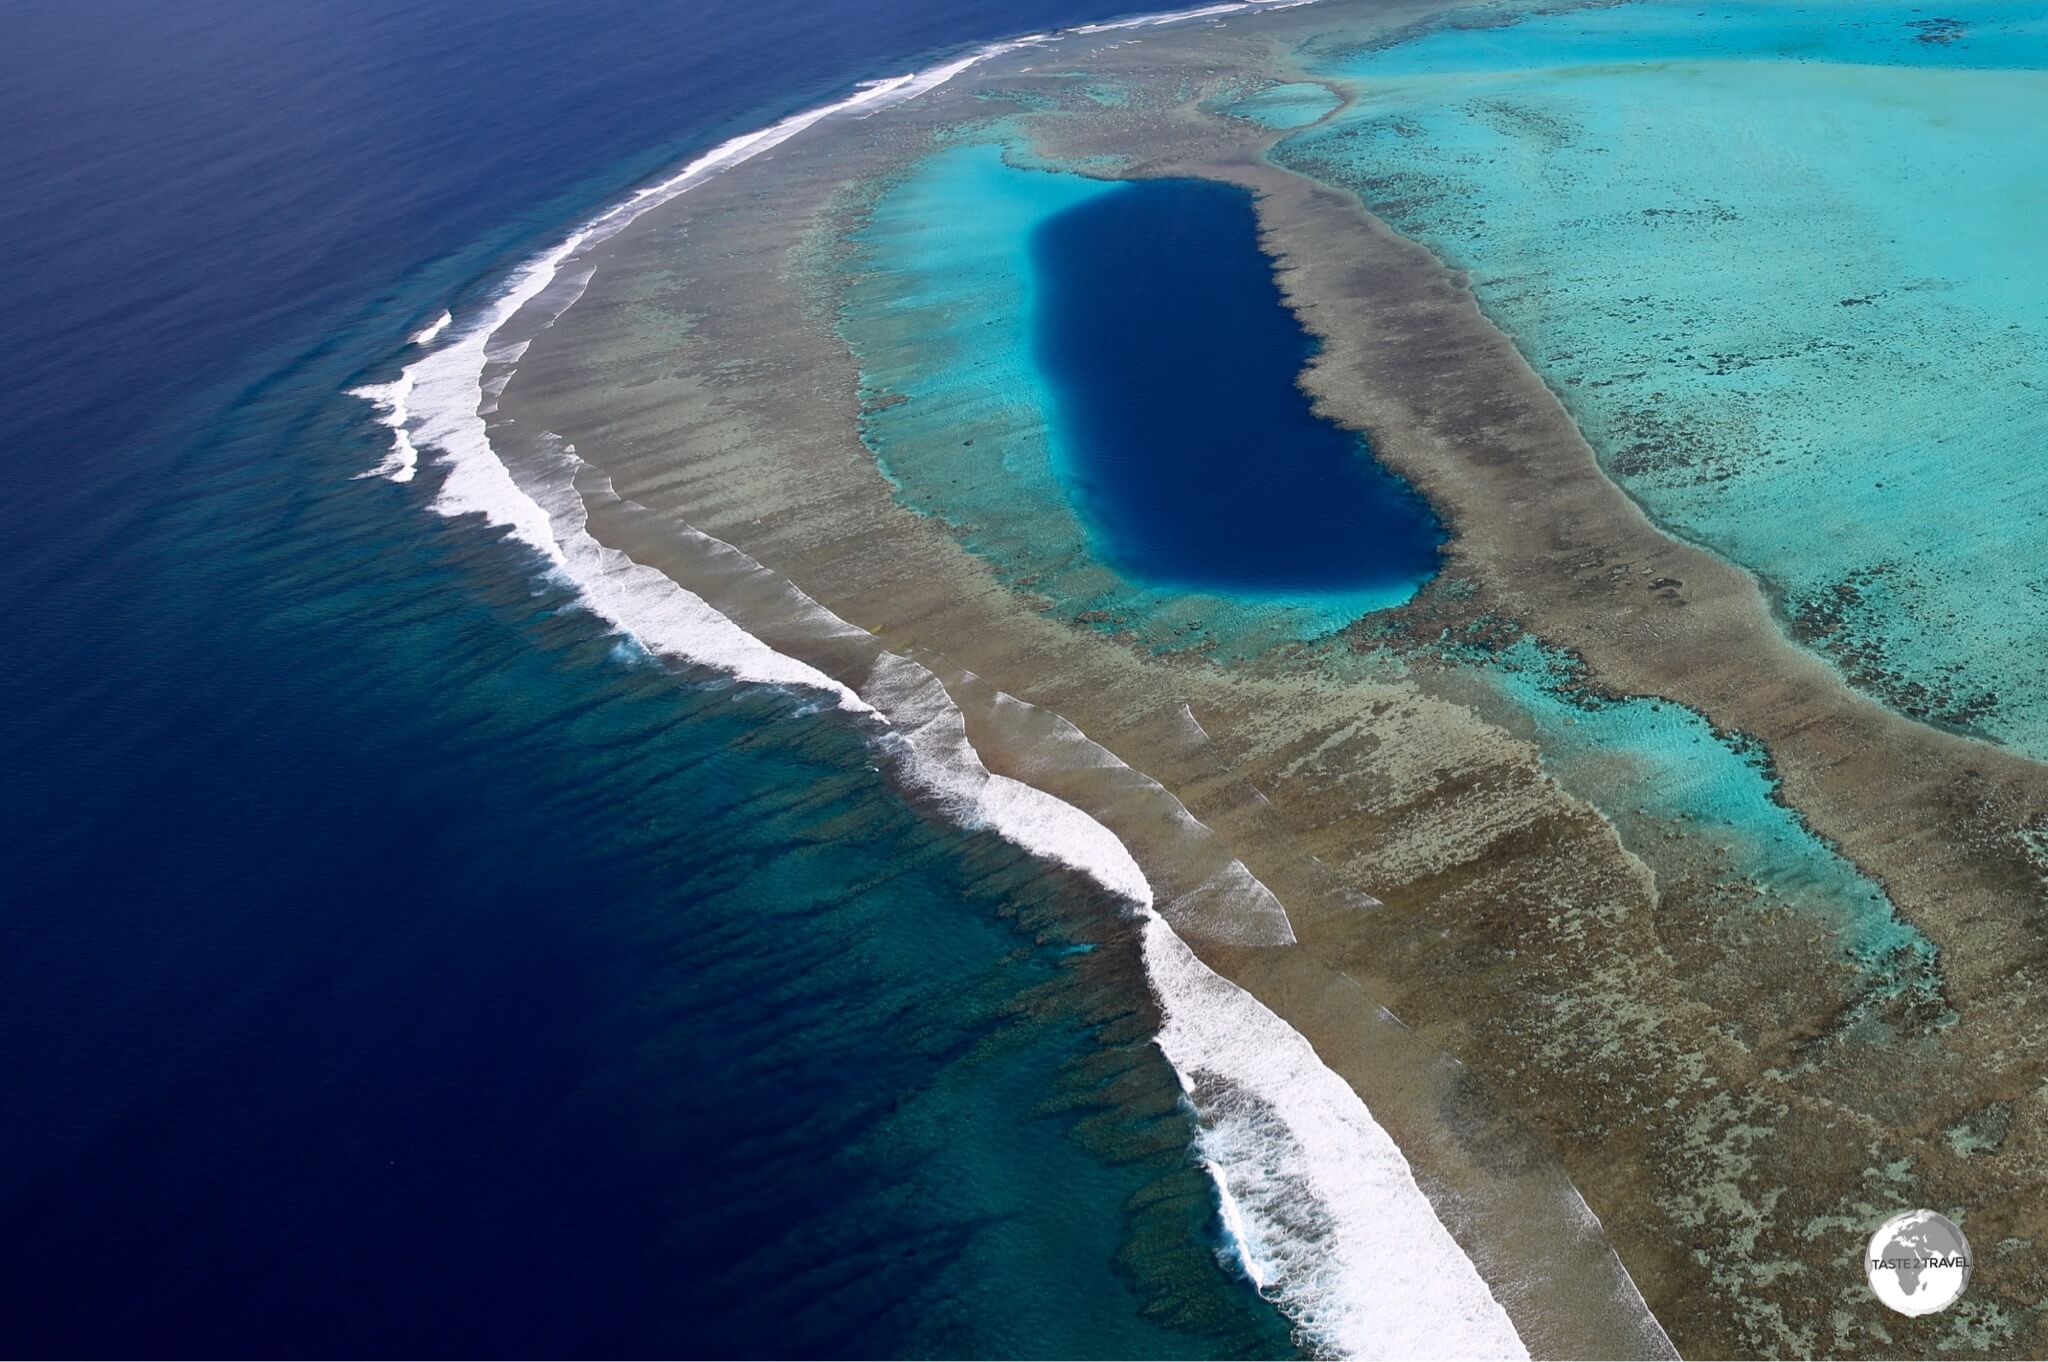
(1784, 266)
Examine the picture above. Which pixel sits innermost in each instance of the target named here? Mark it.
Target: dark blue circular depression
(1185, 441)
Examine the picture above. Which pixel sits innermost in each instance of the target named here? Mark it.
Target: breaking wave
(1319, 1204)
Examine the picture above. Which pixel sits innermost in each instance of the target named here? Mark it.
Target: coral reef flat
(1687, 902)
(1780, 265)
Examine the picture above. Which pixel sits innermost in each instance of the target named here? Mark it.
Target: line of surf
(1321, 1204)
(1327, 1163)
(1311, 1189)
(391, 399)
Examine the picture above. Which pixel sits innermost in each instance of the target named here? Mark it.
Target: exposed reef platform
(1745, 1017)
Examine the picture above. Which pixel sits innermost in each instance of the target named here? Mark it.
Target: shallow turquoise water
(968, 423)
(1652, 765)
(1782, 265)
(1293, 105)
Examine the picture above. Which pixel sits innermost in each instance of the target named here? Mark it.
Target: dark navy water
(389, 962)
(1198, 459)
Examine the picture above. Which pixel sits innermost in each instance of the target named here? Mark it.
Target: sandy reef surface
(1583, 872)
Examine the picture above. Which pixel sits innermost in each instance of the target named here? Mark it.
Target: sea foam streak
(1323, 1207)
(1325, 1212)
(930, 725)
(431, 332)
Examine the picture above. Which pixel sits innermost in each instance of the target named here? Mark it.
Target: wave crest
(1322, 1207)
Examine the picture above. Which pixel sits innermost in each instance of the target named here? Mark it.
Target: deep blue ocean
(1203, 467)
(391, 962)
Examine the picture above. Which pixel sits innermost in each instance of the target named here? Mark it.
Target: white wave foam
(438, 402)
(431, 332)
(392, 401)
(930, 728)
(1328, 1219)
(925, 726)
(444, 381)
(1181, 16)
(656, 610)
(444, 375)
(1236, 1232)
(1230, 903)
(1325, 1212)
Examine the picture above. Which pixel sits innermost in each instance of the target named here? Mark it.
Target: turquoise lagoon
(1783, 265)
(1093, 382)
(1292, 104)
(1718, 234)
